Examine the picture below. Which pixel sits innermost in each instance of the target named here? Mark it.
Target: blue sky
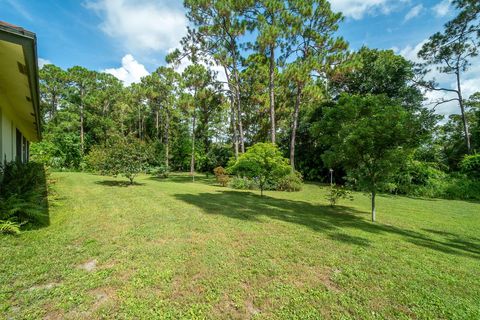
(131, 37)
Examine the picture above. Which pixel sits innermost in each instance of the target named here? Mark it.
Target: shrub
(470, 165)
(58, 151)
(223, 180)
(243, 183)
(160, 171)
(416, 178)
(461, 187)
(262, 162)
(221, 176)
(291, 182)
(219, 171)
(23, 195)
(217, 155)
(126, 156)
(96, 160)
(9, 227)
(338, 192)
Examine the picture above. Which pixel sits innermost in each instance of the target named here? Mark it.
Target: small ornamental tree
(221, 175)
(262, 162)
(371, 136)
(127, 157)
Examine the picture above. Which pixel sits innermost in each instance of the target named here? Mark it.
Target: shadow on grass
(186, 179)
(330, 220)
(42, 188)
(118, 183)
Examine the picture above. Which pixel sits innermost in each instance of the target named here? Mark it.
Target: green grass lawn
(176, 249)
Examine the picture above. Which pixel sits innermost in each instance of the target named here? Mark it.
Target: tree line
(290, 80)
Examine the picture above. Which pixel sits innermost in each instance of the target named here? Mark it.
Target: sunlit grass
(177, 249)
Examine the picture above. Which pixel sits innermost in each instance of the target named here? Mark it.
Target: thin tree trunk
(192, 161)
(373, 206)
(271, 88)
(167, 127)
(143, 126)
(54, 106)
(156, 122)
(462, 108)
(234, 127)
(239, 107)
(294, 127)
(139, 125)
(232, 113)
(82, 146)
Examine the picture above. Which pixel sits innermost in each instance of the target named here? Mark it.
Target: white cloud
(410, 52)
(414, 12)
(357, 9)
(144, 26)
(442, 8)
(42, 62)
(131, 70)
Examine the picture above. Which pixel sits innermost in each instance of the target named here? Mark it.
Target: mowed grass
(176, 249)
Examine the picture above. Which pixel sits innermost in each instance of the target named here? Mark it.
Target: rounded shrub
(291, 182)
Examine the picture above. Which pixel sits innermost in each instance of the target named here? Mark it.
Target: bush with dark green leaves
(243, 183)
(23, 196)
(262, 163)
(61, 152)
(96, 159)
(161, 171)
(470, 165)
(291, 182)
(125, 156)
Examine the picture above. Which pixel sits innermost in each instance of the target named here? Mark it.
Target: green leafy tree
(220, 24)
(370, 136)
(81, 81)
(372, 71)
(52, 89)
(196, 79)
(125, 156)
(262, 162)
(314, 48)
(162, 88)
(270, 18)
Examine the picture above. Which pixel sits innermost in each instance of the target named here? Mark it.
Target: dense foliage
(263, 163)
(23, 196)
(288, 79)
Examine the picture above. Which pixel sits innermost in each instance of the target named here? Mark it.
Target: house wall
(8, 140)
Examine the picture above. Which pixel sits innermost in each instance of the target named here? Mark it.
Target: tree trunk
(167, 127)
(462, 109)
(373, 206)
(82, 146)
(294, 127)
(139, 124)
(232, 114)
(271, 88)
(156, 121)
(54, 106)
(234, 127)
(239, 107)
(192, 161)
